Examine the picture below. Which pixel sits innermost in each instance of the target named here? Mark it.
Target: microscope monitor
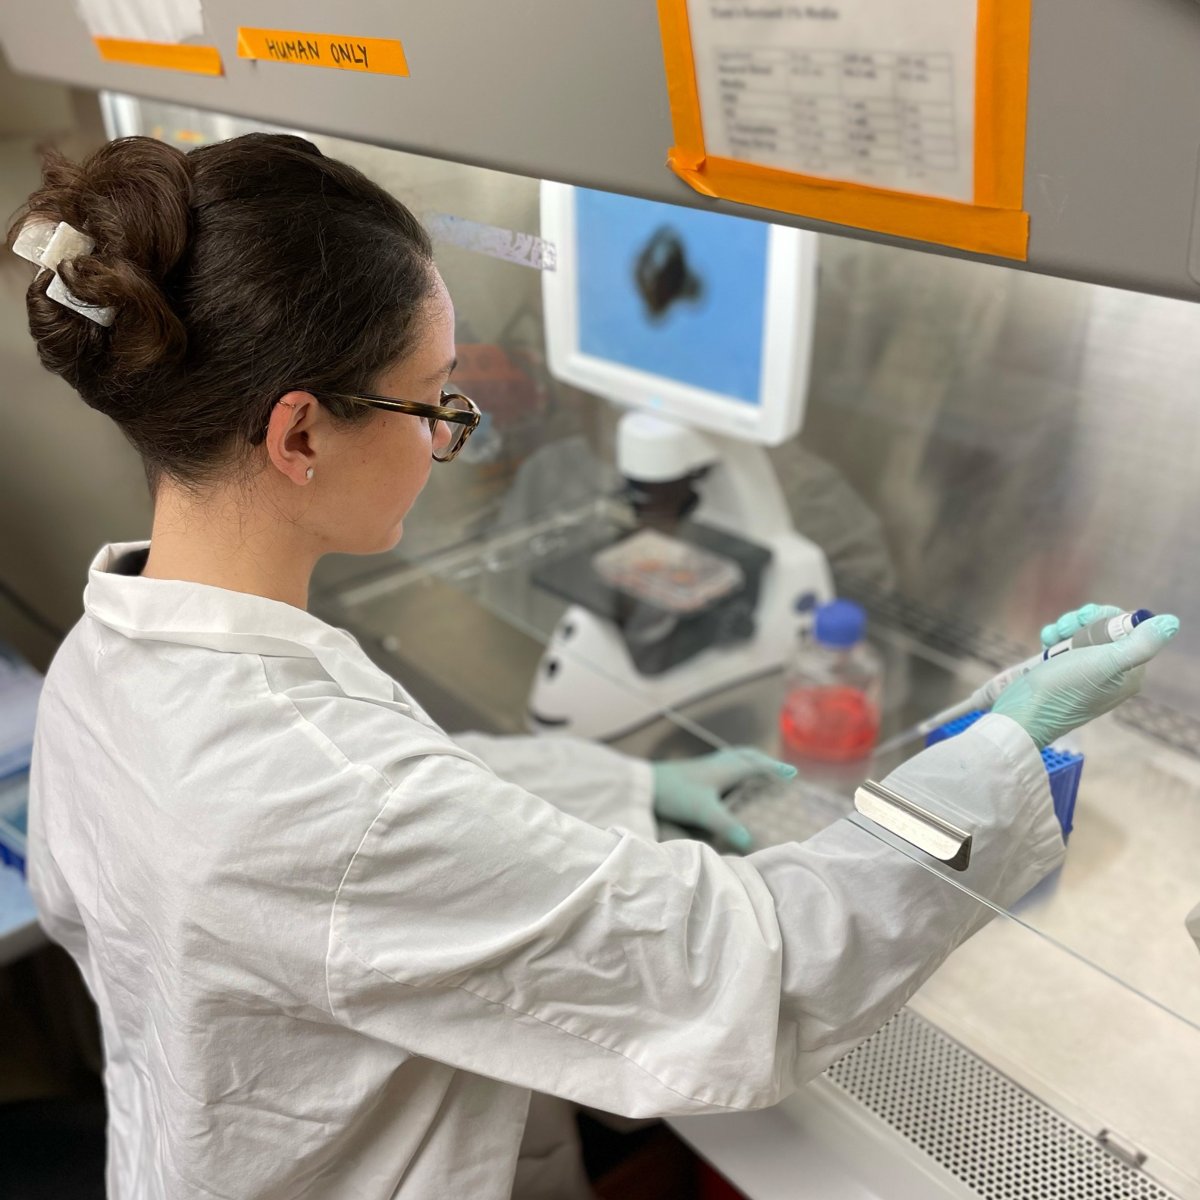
(699, 326)
(700, 318)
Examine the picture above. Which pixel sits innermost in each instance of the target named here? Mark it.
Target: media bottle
(833, 689)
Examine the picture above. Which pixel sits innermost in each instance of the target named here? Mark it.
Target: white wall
(68, 480)
(32, 106)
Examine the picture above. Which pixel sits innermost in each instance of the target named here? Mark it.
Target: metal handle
(916, 825)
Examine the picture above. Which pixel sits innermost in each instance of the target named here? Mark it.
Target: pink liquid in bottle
(829, 724)
(833, 689)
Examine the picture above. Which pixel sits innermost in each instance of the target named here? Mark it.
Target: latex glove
(688, 791)
(1071, 623)
(986, 695)
(1074, 688)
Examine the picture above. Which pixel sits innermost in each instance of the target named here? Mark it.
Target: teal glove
(688, 792)
(1071, 623)
(1066, 692)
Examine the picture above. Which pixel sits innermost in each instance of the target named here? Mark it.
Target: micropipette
(1098, 633)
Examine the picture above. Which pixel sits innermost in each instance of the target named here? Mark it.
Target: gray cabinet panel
(569, 90)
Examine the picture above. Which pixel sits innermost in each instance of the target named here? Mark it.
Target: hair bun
(245, 270)
(132, 198)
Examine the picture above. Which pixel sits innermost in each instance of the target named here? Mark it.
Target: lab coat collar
(195, 614)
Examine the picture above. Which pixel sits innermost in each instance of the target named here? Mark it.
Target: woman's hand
(688, 791)
(1066, 692)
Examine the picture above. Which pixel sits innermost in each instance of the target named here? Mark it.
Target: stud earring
(309, 473)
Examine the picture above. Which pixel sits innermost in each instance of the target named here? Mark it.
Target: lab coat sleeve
(58, 913)
(896, 914)
(587, 780)
(479, 926)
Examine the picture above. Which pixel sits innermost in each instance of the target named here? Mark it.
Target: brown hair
(238, 271)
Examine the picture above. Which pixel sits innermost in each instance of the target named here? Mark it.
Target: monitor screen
(673, 292)
(695, 316)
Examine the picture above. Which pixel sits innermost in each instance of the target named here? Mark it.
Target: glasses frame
(433, 413)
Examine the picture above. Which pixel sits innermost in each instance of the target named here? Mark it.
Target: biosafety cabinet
(997, 419)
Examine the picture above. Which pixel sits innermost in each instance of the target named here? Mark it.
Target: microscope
(699, 326)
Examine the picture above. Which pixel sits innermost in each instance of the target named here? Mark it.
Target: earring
(309, 473)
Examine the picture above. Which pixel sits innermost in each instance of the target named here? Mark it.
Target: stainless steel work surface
(577, 92)
(911, 1114)
(1088, 994)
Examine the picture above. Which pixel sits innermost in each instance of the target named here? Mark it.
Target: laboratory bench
(1055, 1054)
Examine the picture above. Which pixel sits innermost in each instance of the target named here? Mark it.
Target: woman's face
(377, 468)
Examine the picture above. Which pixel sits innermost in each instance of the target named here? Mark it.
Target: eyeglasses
(460, 412)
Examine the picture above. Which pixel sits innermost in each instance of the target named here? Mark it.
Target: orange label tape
(170, 56)
(377, 56)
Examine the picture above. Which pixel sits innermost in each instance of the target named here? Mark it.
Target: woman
(332, 948)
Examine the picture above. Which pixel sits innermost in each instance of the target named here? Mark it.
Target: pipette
(1098, 633)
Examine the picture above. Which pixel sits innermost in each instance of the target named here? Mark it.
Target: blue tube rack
(1064, 768)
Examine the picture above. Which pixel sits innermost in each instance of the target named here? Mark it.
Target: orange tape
(996, 231)
(170, 56)
(376, 56)
(1001, 99)
(994, 224)
(688, 152)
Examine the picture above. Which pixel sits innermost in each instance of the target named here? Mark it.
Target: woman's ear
(289, 441)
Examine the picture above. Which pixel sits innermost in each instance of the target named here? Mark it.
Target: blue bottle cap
(840, 623)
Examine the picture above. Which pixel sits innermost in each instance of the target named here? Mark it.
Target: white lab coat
(332, 948)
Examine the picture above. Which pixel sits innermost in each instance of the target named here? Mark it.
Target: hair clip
(49, 244)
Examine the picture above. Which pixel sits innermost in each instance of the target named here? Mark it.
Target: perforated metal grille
(982, 1128)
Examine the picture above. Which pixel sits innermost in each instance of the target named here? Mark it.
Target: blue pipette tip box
(1064, 768)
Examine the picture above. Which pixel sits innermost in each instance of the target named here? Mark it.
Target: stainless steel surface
(1117, 1146)
(577, 92)
(994, 1136)
(1086, 1045)
(1088, 996)
(818, 1144)
(919, 827)
(1138, 813)
(775, 811)
(983, 448)
(1025, 445)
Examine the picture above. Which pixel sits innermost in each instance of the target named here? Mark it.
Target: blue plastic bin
(1064, 768)
(14, 801)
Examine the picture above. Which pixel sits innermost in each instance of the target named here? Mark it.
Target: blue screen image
(672, 291)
